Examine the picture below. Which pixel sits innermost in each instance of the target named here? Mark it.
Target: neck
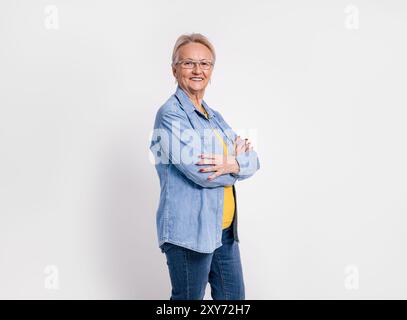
(196, 98)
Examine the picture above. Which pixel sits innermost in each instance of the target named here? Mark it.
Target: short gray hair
(188, 38)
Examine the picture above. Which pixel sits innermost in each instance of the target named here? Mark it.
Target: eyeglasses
(190, 64)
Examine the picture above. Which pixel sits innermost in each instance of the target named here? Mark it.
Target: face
(193, 80)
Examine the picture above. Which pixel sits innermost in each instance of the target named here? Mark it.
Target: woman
(199, 158)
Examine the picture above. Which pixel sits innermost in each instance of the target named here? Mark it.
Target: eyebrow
(195, 60)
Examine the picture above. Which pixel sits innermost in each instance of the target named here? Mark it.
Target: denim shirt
(190, 209)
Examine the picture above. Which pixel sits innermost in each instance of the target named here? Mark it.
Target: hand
(242, 146)
(220, 164)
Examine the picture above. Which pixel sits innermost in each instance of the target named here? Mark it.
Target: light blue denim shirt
(190, 209)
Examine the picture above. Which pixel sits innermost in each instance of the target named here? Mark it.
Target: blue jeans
(190, 271)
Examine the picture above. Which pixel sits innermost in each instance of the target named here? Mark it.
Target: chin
(197, 86)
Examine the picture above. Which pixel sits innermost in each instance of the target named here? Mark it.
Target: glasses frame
(195, 63)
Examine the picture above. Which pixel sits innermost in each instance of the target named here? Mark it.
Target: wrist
(236, 167)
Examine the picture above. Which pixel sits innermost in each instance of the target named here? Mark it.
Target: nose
(195, 68)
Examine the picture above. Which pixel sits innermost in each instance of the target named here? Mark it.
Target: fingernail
(201, 170)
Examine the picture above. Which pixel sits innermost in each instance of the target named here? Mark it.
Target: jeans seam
(186, 272)
(221, 277)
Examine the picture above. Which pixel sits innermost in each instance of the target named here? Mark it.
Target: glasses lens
(205, 64)
(189, 64)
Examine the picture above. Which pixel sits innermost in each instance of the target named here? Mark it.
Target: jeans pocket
(166, 246)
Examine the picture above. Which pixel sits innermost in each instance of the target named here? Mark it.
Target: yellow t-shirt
(229, 199)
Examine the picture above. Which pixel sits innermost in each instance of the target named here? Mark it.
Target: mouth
(197, 79)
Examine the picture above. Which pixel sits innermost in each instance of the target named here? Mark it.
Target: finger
(207, 156)
(207, 161)
(239, 140)
(240, 150)
(213, 176)
(209, 169)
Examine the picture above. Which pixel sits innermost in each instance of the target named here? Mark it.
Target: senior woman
(199, 158)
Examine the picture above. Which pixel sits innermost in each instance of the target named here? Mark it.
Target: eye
(187, 63)
(205, 64)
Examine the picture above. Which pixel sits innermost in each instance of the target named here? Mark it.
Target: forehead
(195, 51)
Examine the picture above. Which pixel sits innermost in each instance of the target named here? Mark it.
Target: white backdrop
(319, 84)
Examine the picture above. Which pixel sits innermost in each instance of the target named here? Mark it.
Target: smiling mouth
(196, 79)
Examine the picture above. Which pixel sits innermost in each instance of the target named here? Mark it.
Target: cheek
(185, 74)
(182, 74)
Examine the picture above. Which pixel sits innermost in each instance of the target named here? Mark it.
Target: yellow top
(229, 199)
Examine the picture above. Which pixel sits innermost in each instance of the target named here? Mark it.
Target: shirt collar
(187, 104)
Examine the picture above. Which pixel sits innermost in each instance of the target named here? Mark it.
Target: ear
(174, 72)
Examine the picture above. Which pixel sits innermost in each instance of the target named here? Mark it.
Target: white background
(80, 83)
